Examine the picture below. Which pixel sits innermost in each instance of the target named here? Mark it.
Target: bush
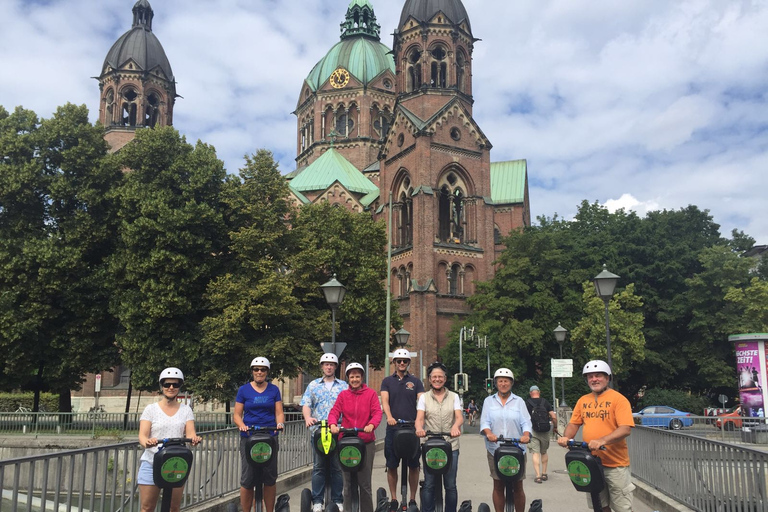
(9, 402)
(681, 400)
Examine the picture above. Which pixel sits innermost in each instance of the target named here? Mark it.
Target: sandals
(544, 477)
(537, 480)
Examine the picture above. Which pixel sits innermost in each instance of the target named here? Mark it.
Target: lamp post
(605, 284)
(334, 293)
(560, 333)
(401, 337)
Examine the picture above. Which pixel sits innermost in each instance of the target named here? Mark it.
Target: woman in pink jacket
(358, 407)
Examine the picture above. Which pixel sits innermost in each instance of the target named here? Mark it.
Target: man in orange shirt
(607, 419)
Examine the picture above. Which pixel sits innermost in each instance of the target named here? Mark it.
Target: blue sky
(643, 105)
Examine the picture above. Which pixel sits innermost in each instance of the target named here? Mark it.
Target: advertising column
(751, 372)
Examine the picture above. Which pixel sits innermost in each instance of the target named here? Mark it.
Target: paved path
(474, 483)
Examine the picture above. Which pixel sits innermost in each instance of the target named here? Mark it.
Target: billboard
(751, 372)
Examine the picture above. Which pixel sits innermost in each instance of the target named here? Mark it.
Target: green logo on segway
(350, 456)
(579, 473)
(174, 469)
(261, 453)
(508, 465)
(436, 458)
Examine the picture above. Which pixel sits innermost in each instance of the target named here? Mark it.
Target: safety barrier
(707, 475)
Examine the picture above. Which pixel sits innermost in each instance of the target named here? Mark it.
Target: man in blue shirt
(400, 393)
(316, 403)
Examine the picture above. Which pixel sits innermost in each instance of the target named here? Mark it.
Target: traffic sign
(98, 383)
(328, 347)
(562, 368)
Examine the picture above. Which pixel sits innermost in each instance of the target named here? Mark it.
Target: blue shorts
(145, 474)
(389, 452)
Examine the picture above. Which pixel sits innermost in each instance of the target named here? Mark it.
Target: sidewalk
(474, 482)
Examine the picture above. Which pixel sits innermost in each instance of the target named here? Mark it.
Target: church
(386, 132)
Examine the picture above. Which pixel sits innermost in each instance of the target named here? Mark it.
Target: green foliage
(680, 400)
(751, 302)
(10, 402)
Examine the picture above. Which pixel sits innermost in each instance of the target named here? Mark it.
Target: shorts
(145, 475)
(248, 475)
(618, 489)
(392, 461)
(492, 466)
(539, 442)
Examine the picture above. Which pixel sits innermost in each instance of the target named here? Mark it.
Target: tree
(752, 303)
(170, 244)
(57, 227)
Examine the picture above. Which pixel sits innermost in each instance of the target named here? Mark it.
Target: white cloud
(628, 202)
(656, 103)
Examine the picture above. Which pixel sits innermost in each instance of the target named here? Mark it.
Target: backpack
(539, 416)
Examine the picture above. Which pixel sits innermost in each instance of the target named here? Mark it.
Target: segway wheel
(413, 508)
(333, 507)
(231, 507)
(483, 508)
(306, 500)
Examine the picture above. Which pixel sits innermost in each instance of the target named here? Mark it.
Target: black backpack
(539, 416)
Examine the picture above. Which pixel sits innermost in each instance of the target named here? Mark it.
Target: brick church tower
(136, 82)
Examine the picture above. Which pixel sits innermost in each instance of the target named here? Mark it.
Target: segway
(407, 447)
(437, 456)
(324, 443)
(351, 453)
(170, 467)
(509, 461)
(261, 448)
(585, 471)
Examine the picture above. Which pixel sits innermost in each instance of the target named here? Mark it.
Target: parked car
(733, 419)
(664, 417)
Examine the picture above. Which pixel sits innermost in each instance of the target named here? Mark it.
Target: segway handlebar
(254, 428)
(173, 441)
(431, 433)
(580, 444)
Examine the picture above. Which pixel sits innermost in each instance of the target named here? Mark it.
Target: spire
(143, 14)
(360, 21)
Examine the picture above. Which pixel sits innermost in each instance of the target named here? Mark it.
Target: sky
(643, 105)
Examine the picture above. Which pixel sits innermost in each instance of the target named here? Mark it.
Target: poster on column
(750, 375)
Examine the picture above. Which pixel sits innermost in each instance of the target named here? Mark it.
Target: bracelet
(281, 425)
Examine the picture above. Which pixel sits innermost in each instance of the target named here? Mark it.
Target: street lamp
(560, 333)
(605, 284)
(401, 337)
(334, 293)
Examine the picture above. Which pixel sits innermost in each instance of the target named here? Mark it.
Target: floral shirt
(320, 399)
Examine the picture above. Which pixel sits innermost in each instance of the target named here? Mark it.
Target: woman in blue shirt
(258, 404)
(504, 414)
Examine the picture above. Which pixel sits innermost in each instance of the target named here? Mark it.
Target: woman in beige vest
(439, 410)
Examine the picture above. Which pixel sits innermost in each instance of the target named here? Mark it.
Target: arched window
(414, 70)
(404, 211)
(454, 286)
(129, 107)
(452, 216)
(344, 124)
(152, 110)
(381, 124)
(461, 62)
(439, 68)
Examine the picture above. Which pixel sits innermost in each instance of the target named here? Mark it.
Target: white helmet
(596, 366)
(171, 373)
(354, 366)
(504, 372)
(401, 353)
(329, 358)
(261, 361)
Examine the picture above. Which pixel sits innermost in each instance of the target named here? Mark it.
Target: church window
(414, 70)
(400, 140)
(439, 68)
(110, 108)
(387, 83)
(129, 108)
(461, 63)
(344, 125)
(152, 110)
(453, 280)
(497, 235)
(456, 134)
(452, 214)
(381, 125)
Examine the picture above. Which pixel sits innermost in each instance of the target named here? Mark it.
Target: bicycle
(23, 409)
(97, 412)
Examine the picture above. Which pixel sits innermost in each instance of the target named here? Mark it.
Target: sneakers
(317, 507)
(340, 506)
(412, 503)
(393, 506)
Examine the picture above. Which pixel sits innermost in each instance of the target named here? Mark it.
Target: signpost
(97, 389)
(561, 368)
(340, 346)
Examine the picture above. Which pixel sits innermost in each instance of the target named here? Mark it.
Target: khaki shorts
(618, 490)
(539, 442)
(492, 466)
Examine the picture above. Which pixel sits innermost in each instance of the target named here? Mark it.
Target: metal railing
(707, 475)
(100, 424)
(717, 428)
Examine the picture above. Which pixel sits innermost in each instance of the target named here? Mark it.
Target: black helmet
(436, 365)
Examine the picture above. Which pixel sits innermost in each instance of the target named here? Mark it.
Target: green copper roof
(364, 58)
(508, 181)
(360, 51)
(332, 167)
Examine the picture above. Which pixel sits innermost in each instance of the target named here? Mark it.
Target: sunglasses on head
(260, 370)
(172, 385)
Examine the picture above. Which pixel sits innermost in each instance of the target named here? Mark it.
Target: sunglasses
(260, 370)
(176, 385)
(402, 361)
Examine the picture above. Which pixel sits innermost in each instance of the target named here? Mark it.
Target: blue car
(664, 417)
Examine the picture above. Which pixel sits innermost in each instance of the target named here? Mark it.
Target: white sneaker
(317, 507)
(341, 507)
